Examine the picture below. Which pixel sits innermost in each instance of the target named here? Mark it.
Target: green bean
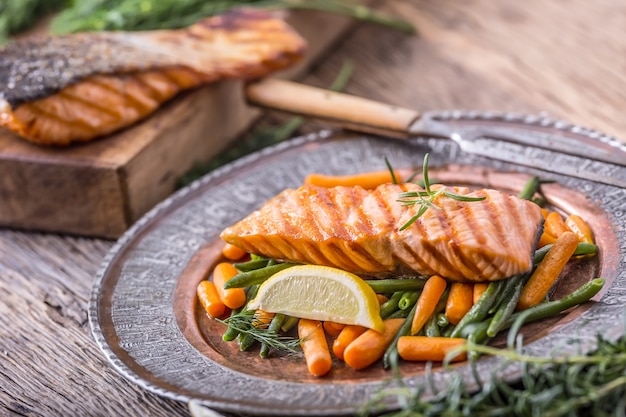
(381, 286)
(510, 297)
(530, 188)
(442, 320)
(582, 248)
(408, 299)
(246, 340)
(540, 201)
(479, 311)
(432, 327)
(390, 357)
(288, 324)
(390, 305)
(251, 265)
(551, 308)
(399, 314)
(441, 304)
(538, 312)
(275, 325)
(477, 334)
(231, 333)
(258, 276)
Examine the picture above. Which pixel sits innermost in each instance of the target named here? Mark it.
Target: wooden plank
(101, 188)
(49, 363)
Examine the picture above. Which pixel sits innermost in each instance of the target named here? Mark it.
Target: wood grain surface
(566, 58)
(102, 187)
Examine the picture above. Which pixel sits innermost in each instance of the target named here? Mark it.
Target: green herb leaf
(97, 15)
(244, 321)
(425, 199)
(586, 385)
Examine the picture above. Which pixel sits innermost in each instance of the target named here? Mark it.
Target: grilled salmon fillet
(59, 90)
(358, 230)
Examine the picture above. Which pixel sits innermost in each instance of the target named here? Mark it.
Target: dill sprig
(426, 199)
(245, 323)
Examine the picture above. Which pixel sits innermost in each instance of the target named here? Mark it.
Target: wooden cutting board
(101, 188)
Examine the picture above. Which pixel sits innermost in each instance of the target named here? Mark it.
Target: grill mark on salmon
(142, 70)
(500, 230)
(421, 265)
(110, 112)
(470, 265)
(422, 256)
(464, 241)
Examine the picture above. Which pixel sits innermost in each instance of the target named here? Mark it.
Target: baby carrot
(554, 224)
(262, 319)
(382, 299)
(333, 329)
(460, 300)
(232, 252)
(427, 302)
(232, 297)
(479, 289)
(548, 271)
(315, 347)
(546, 239)
(371, 345)
(367, 180)
(424, 348)
(210, 300)
(345, 337)
(576, 224)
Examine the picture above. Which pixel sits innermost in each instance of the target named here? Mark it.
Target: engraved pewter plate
(145, 319)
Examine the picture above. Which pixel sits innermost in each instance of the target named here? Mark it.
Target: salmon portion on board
(74, 88)
(358, 230)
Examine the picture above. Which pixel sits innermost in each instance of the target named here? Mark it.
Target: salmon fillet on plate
(357, 230)
(74, 88)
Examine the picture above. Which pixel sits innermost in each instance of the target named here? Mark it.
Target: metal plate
(144, 318)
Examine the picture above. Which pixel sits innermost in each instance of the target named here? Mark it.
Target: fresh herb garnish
(426, 199)
(16, 16)
(97, 15)
(394, 180)
(586, 385)
(245, 323)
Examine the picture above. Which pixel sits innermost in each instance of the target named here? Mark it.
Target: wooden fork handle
(349, 111)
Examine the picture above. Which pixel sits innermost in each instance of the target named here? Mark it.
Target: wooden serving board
(101, 188)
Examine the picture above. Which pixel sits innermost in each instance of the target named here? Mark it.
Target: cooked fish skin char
(128, 75)
(358, 230)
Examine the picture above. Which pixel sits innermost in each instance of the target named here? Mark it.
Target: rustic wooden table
(564, 58)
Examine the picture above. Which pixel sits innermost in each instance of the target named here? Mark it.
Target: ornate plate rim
(171, 391)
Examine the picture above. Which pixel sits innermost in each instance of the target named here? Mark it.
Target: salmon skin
(358, 230)
(59, 90)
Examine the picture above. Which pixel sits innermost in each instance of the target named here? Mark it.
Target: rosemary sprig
(244, 323)
(16, 16)
(585, 385)
(96, 15)
(394, 180)
(426, 199)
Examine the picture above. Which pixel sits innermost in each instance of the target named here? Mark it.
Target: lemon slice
(320, 293)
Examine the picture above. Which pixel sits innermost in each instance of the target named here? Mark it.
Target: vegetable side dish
(368, 268)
